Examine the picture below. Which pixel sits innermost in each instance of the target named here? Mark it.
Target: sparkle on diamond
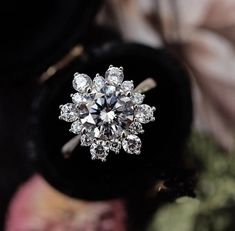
(110, 117)
(108, 114)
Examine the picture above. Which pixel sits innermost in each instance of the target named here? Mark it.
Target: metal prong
(97, 75)
(121, 68)
(123, 134)
(93, 157)
(154, 109)
(60, 106)
(152, 119)
(89, 90)
(128, 94)
(75, 74)
(103, 159)
(84, 130)
(110, 66)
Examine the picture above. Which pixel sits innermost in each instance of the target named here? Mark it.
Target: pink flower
(38, 207)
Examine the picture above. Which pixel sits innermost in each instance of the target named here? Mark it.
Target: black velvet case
(122, 174)
(35, 35)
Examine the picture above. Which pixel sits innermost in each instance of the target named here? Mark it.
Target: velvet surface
(122, 174)
(36, 34)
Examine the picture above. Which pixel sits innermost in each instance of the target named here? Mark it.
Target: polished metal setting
(107, 113)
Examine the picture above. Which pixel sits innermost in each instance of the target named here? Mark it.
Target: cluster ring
(107, 113)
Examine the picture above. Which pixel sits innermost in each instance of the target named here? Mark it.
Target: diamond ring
(107, 113)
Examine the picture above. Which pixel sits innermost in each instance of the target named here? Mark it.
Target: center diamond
(107, 114)
(107, 117)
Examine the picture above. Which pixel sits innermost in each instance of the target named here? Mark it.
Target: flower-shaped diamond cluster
(107, 113)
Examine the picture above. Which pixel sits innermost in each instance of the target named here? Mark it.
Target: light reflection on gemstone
(132, 144)
(107, 113)
(81, 82)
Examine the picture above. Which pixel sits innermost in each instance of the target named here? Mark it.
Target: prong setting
(107, 113)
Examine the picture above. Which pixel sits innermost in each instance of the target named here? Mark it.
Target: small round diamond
(132, 144)
(137, 98)
(144, 114)
(77, 98)
(76, 127)
(81, 82)
(136, 128)
(115, 146)
(98, 82)
(127, 86)
(68, 112)
(86, 140)
(114, 75)
(99, 150)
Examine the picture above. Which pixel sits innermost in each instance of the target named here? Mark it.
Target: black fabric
(36, 34)
(79, 176)
(15, 125)
(33, 36)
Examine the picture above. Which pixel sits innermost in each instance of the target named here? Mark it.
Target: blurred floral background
(201, 33)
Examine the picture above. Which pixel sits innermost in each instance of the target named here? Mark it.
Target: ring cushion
(162, 142)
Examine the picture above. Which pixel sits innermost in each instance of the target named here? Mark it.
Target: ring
(107, 113)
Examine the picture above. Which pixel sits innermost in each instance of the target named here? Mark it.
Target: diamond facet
(114, 75)
(81, 82)
(132, 144)
(109, 114)
(144, 113)
(68, 112)
(108, 90)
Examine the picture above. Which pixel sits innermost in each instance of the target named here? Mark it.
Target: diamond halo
(107, 113)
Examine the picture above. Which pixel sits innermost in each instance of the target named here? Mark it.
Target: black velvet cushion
(36, 34)
(162, 143)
